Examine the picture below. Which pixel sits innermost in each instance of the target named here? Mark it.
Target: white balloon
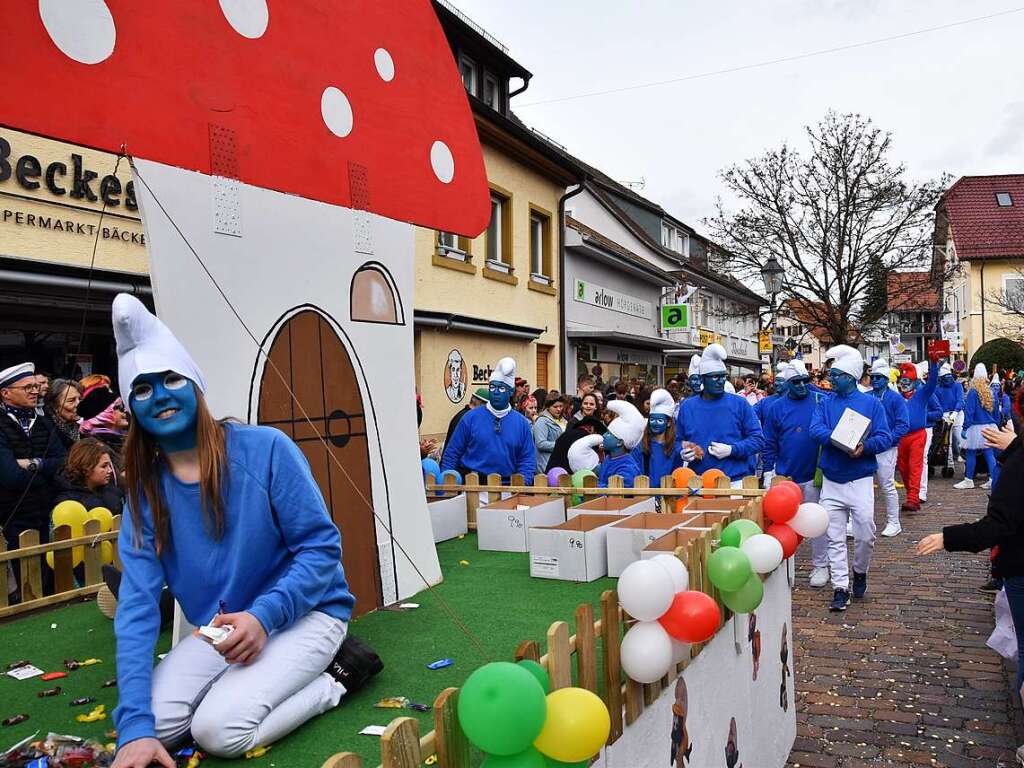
(677, 570)
(680, 650)
(810, 520)
(646, 590)
(764, 552)
(646, 652)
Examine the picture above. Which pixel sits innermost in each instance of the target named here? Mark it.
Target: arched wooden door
(309, 354)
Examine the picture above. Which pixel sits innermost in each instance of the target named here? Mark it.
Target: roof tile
(982, 229)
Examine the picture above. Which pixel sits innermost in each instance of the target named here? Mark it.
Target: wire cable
(772, 62)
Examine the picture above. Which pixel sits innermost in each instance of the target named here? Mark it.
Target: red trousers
(910, 463)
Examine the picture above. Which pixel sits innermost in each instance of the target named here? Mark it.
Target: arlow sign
(606, 298)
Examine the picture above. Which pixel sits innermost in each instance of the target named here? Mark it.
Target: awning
(631, 340)
(450, 322)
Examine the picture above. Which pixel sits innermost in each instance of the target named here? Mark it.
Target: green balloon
(538, 672)
(746, 598)
(502, 708)
(578, 475)
(738, 531)
(529, 758)
(729, 569)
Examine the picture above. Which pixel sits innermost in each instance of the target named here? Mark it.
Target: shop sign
(482, 373)
(675, 316)
(709, 337)
(738, 347)
(455, 376)
(764, 341)
(625, 356)
(605, 298)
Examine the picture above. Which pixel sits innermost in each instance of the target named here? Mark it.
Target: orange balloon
(681, 476)
(711, 476)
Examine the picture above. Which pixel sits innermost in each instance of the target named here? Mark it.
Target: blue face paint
(613, 446)
(658, 423)
(165, 406)
(842, 382)
(879, 382)
(781, 387)
(500, 395)
(713, 384)
(694, 380)
(946, 380)
(905, 385)
(797, 387)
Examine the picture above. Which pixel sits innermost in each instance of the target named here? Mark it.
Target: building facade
(914, 312)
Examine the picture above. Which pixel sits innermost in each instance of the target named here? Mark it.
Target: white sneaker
(892, 529)
(819, 576)
(964, 484)
(987, 485)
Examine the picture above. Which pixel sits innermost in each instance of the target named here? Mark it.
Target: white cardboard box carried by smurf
(448, 517)
(576, 550)
(850, 431)
(503, 525)
(613, 505)
(628, 537)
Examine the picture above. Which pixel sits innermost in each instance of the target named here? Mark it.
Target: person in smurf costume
(623, 435)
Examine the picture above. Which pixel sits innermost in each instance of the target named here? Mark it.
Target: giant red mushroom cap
(318, 93)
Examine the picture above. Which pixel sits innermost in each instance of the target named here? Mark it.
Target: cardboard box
(628, 537)
(448, 517)
(714, 504)
(666, 545)
(706, 519)
(503, 525)
(613, 505)
(850, 431)
(576, 550)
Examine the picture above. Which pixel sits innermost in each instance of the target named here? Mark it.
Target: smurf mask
(500, 395)
(165, 406)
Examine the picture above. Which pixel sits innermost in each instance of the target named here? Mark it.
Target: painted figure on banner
(754, 636)
(732, 747)
(455, 377)
(681, 746)
(784, 655)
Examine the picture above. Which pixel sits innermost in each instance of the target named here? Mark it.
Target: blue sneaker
(840, 600)
(860, 584)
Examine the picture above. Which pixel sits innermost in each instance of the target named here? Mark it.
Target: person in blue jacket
(619, 443)
(896, 416)
(790, 451)
(718, 429)
(847, 491)
(951, 400)
(979, 412)
(933, 414)
(912, 458)
(495, 439)
(657, 452)
(230, 517)
(780, 392)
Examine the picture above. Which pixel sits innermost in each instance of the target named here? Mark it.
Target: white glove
(720, 450)
(687, 452)
(949, 417)
(766, 478)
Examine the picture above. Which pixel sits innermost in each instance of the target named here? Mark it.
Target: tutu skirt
(975, 441)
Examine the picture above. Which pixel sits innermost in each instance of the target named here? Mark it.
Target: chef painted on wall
(455, 376)
(784, 657)
(754, 636)
(732, 747)
(681, 746)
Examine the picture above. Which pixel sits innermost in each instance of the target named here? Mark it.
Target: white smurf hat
(583, 454)
(712, 360)
(505, 371)
(661, 402)
(629, 426)
(146, 345)
(694, 369)
(981, 372)
(945, 370)
(847, 360)
(880, 367)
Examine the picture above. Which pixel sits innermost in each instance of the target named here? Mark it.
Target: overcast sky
(953, 98)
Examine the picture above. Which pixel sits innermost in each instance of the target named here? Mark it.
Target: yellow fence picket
(63, 561)
(343, 760)
(610, 642)
(559, 656)
(400, 744)
(450, 741)
(31, 574)
(93, 554)
(586, 648)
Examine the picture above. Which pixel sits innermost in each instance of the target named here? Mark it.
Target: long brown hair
(669, 443)
(83, 458)
(984, 391)
(143, 463)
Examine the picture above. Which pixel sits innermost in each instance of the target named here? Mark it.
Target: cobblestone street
(904, 678)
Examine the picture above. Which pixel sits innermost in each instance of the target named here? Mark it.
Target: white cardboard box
(503, 525)
(628, 538)
(666, 545)
(575, 550)
(850, 430)
(613, 505)
(448, 517)
(697, 504)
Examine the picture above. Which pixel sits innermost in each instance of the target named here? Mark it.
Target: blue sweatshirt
(762, 405)
(729, 420)
(789, 448)
(656, 464)
(896, 414)
(934, 412)
(478, 446)
(951, 397)
(625, 466)
(279, 558)
(975, 413)
(836, 464)
(918, 403)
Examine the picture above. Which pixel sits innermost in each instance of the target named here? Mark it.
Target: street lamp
(772, 274)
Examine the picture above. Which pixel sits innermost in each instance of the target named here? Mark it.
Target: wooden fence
(28, 561)
(592, 653)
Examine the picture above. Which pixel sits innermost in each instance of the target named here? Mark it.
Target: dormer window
(492, 92)
(468, 70)
(1003, 199)
(675, 239)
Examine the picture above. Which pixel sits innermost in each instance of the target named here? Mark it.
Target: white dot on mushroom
(336, 111)
(249, 18)
(442, 162)
(83, 31)
(385, 64)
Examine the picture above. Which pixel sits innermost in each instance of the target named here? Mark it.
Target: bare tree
(1008, 318)
(839, 219)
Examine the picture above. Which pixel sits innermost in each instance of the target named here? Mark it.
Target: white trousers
(923, 493)
(886, 474)
(232, 708)
(853, 502)
(819, 544)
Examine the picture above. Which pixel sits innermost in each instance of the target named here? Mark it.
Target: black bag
(354, 664)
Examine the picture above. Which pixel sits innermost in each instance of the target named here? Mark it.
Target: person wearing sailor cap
(847, 491)
(718, 429)
(230, 517)
(30, 456)
(899, 424)
(656, 452)
(495, 439)
(619, 441)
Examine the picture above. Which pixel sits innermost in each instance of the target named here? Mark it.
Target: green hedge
(1006, 353)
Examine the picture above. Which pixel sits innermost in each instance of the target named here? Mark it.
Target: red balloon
(782, 501)
(788, 538)
(693, 617)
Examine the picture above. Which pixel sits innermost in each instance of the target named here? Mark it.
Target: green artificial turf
(493, 596)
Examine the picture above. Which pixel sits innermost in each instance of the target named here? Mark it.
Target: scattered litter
(49, 692)
(87, 700)
(53, 675)
(419, 707)
(110, 683)
(99, 712)
(392, 702)
(72, 664)
(258, 752)
(58, 749)
(373, 730)
(24, 672)
(53, 626)
(15, 720)
(16, 664)
(432, 760)
(409, 606)
(440, 664)
(463, 562)
(161, 656)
